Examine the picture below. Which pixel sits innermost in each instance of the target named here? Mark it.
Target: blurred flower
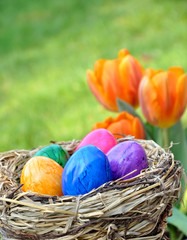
(163, 96)
(125, 124)
(117, 78)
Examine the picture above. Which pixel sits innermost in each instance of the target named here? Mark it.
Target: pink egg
(100, 138)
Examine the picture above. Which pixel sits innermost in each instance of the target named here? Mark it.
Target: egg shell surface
(55, 152)
(42, 175)
(100, 138)
(87, 168)
(126, 157)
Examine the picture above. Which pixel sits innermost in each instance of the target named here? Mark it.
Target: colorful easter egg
(87, 168)
(42, 175)
(126, 157)
(100, 138)
(55, 152)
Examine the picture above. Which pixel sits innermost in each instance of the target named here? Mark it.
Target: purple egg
(126, 157)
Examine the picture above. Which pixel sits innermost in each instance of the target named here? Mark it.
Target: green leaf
(185, 132)
(178, 220)
(149, 129)
(155, 133)
(124, 106)
(173, 232)
(176, 134)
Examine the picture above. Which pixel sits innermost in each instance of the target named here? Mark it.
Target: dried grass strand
(133, 209)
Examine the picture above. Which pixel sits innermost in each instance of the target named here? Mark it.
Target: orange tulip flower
(125, 124)
(163, 96)
(117, 78)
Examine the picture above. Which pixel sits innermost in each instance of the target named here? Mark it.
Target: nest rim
(71, 229)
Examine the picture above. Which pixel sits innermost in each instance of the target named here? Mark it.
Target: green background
(47, 46)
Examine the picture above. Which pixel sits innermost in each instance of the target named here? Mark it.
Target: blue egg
(86, 169)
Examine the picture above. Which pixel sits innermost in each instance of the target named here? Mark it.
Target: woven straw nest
(135, 209)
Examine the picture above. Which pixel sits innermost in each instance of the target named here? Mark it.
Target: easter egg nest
(136, 208)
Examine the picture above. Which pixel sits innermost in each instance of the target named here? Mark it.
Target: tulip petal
(96, 88)
(118, 129)
(98, 70)
(117, 78)
(163, 97)
(147, 99)
(178, 71)
(161, 83)
(138, 129)
(123, 53)
(104, 124)
(100, 82)
(110, 81)
(150, 72)
(124, 124)
(181, 99)
(103, 82)
(131, 73)
(168, 91)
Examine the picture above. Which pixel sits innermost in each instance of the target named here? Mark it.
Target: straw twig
(133, 209)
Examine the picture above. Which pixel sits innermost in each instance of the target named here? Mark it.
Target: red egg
(101, 138)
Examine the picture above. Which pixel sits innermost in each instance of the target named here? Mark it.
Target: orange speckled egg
(42, 175)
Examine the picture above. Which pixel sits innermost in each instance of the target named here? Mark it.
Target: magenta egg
(101, 138)
(126, 157)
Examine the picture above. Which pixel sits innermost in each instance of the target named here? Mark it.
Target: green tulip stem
(165, 137)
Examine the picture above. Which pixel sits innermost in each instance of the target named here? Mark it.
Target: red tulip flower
(117, 78)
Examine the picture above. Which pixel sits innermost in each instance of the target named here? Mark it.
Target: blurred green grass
(47, 46)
